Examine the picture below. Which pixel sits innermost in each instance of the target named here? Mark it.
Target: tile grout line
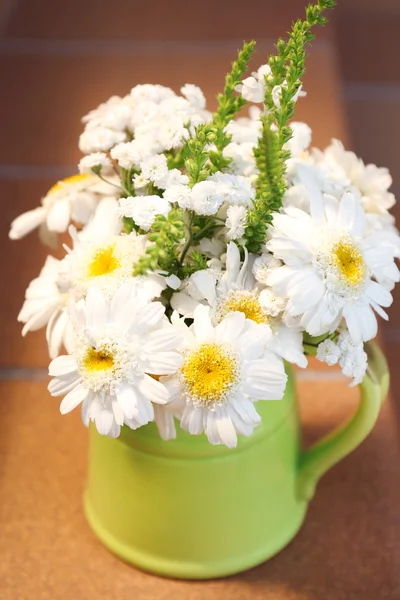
(15, 46)
(37, 374)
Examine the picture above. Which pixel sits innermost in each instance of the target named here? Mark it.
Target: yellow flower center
(209, 373)
(68, 181)
(95, 361)
(104, 262)
(242, 301)
(349, 262)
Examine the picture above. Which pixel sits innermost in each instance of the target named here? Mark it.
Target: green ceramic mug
(187, 509)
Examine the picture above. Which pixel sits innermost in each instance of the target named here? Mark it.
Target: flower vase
(187, 509)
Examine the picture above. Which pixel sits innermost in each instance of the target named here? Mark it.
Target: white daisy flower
(107, 262)
(236, 291)
(45, 303)
(72, 199)
(225, 370)
(96, 160)
(328, 264)
(144, 209)
(121, 349)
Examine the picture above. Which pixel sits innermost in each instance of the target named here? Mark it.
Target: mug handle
(317, 460)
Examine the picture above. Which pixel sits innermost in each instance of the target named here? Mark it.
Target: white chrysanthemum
(262, 266)
(328, 352)
(328, 263)
(226, 368)
(114, 114)
(131, 154)
(72, 199)
(351, 357)
(194, 95)
(96, 160)
(121, 349)
(147, 92)
(246, 129)
(46, 304)
(236, 220)
(301, 139)
(144, 209)
(236, 189)
(372, 182)
(99, 139)
(154, 168)
(107, 262)
(206, 198)
(181, 194)
(236, 291)
(242, 158)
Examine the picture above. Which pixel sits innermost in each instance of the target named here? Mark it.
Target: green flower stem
(287, 68)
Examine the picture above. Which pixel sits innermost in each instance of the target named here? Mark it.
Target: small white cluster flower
(175, 303)
(144, 209)
(236, 222)
(95, 161)
(351, 357)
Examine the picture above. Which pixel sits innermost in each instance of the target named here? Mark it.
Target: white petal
(118, 413)
(377, 293)
(205, 282)
(152, 390)
(59, 216)
(148, 317)
(127, 400)
(104, 420)
(96, 308)
(55, 331)
(163, 363)
(184, 304)
(361, 322)
(203, 328)
(162, 340)
(62, 385)
(165, 422)
(26, 222)
(73, 398)
(225, 428)
(62, 365)
(230, 327)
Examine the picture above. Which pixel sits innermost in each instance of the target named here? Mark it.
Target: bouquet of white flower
(207, 249)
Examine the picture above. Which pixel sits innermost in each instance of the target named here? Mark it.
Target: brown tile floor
(158, 20)
(347, 550)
